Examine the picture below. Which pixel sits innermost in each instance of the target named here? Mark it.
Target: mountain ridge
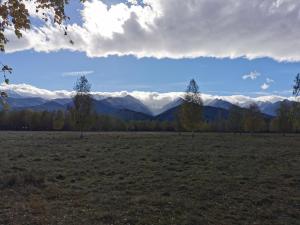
(23, 96)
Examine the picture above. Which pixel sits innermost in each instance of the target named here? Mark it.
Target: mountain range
(135, 105)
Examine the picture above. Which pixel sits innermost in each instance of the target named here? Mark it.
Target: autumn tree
(235, 119)
(284, 117)
(58, 120)
(295, 112)
(82, 104)
(190, 112)
(254, 121)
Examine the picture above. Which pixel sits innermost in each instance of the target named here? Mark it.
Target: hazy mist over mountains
(23, 96)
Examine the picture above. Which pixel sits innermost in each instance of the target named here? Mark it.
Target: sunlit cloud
(265, 86)
(175, 29)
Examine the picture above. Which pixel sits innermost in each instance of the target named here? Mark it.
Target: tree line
(239, 121)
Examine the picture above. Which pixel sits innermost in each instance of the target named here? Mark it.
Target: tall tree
(235, 119)
(296, 106)
(190, 112)
(296, 87)
(82, 102)
(58, 120)
(295, 116)
(285, 117)
(254, 121)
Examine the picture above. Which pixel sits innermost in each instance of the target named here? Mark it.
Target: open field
(149, 178)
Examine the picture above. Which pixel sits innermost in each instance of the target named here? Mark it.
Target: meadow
(149, 178)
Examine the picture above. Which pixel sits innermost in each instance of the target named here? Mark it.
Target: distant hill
(210, 114)
(107, 108)
(24, 102)
(271, 108)
(47, 106)
(218, 103)
(128, 102)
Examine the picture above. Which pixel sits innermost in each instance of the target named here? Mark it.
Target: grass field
(149, 178)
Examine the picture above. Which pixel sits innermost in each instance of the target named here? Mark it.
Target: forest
(239, 120)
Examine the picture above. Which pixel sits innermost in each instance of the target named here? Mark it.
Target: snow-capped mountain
(148, 103)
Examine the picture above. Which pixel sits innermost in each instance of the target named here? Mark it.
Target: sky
(230, 47)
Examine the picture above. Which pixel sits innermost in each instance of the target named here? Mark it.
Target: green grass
(149, 178)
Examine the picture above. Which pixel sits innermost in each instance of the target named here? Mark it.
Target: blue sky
(57, 69)
(216, 76)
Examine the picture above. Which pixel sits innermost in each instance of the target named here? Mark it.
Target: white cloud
(252, 76)
(177, 29)
(265, 86)
(77, 73)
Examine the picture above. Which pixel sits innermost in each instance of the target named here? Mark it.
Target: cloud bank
(153, 100)
(176, 29)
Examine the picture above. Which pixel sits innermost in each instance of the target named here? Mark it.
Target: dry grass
(149, 178)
